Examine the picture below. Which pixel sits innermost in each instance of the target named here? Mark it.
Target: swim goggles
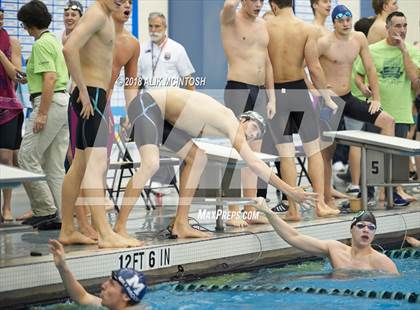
(342, 15)
(74, 7)
(370, 226)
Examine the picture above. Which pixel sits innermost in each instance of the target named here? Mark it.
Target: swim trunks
(149, 126)
(242, 97)
(92, 132)
(11, 132)
(294, 114)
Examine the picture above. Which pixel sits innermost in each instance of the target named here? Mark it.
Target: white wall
(354, 6)
(145, 8)
(411, 9)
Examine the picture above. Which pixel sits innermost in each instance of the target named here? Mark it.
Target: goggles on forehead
(370, 226)
(74, 7)
(343, 15)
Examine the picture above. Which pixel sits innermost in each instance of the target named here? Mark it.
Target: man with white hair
(164, 63)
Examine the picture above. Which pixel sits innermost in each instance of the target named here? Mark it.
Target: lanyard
(154, 66)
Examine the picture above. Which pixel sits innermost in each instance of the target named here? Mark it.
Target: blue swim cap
(132, 281)
(340, 11)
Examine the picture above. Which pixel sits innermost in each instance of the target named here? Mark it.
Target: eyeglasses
(371, 227)
(74, 7)
(342, 15)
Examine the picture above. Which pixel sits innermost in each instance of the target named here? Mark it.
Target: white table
(12, 176)
(381, 143)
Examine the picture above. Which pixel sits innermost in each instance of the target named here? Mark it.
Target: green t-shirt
(355, 91)
(46, 56)
(394, 84)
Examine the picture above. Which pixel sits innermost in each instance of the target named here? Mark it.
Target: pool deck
(34, 278)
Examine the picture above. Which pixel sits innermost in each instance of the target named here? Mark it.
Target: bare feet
(89, 232)
(114, 240)
(261, 219)
(413, 241)
(331, 205)
(324, 210)
(186, 231)
(403, 195)
(125, 234)
(291, 217)
(336, 194)
(236, 222)
(292, 214)
(25, 216)
(74, 238)
(7, 215)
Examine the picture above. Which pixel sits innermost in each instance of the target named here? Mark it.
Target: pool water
(310, 274)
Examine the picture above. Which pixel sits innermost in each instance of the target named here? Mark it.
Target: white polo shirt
(164, 65)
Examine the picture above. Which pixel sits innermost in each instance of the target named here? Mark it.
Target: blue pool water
(310, 274)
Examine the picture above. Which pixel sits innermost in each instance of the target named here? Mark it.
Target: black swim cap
(363, 216)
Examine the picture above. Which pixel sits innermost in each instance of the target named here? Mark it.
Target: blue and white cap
(132, 281)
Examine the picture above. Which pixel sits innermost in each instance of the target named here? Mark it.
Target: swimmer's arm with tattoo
(315, 70)
(87, 26)
(75, 290)
(292, 236)
(269, 86)
(237, 137)
(369, 66)
(227, 16)
(130, 73)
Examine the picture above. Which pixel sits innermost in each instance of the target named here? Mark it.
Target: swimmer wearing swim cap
(358, 256)
(125, 287)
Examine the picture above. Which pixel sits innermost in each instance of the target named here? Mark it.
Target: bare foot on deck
(261, 219)
(331, 205)
(89, 232)
(25, 216)
(114, 240)
(291, 217)
(413, 241)
(125, 234)
(326, 212)
(336, 194)
(7, 215)
(236, 222)
(406, 196)
(74, 238)
(186, 231)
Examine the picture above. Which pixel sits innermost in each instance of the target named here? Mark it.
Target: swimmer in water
(358, 256)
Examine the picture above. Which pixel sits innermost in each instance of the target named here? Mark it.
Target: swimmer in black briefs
(250, 82)
(89, 55)
(337, 52)
(190, 114)
(91, 132)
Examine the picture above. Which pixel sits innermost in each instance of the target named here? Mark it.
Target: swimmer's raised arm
(73, 287)
(291, 235)
(227, 16)
(87, 26)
